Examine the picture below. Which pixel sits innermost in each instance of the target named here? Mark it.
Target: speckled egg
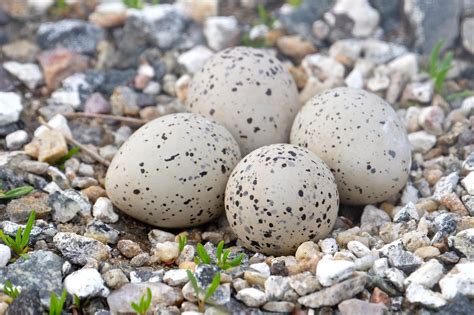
(362, 140)
(172, 171)
(280, 196)
(250, 93)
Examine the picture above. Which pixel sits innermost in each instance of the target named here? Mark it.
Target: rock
(355, 79)
(403, 260)
(7, 83)
(463, 242)
(405, 65)
(329, 271)
(177, 277)
(67, 204)
(320, 29)
(431, 119)
(295, 46)
(468, 201)
(28, 73)
(414, 240)
(41, 272)
(445, 186)
(460, 280)
(86, 283)
(307, 250)
(467, 40)
(468, 183)
(323, 68)
(79, 249)
(304, 283)
(20, 50)
(10, 108)
(355, 306)
(102, 232)
(19, 210)
(16, 140)
(279, 307)
(97, 104)
(192, 60)
(109, 14)
(431, 21)
(115, 278)
(406, 214)
(427, 252)
(140, 260)
(276, 287)
(419, 92)
(156, 236)
(124, 101)
(104, 210)
(381, 52)
(166, 252)
(333, 295)
(128, 248)
(75, 35)
(454, 204)
(329, 246)
(5, 255)
(395, 277)
(27, 302)
(59, 64)
(221, 32)
(427, 275)
(416, 293)
(140, 276)
(251, 297)
(120, 300)
(421, 141)
(372, 216)
(364, 17)
(199, 10)
(380, 297)
(358, 249)
(459, 305)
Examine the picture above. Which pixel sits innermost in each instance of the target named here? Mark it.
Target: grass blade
(434, 57)
(193, 281)
(205, 259)
(213, 286)
(219, 249)
(29, 226)
(237, 260)
(17, 192)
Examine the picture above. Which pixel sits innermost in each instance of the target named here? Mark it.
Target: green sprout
(294, 3)
(76, 302)
(16, 192)
(19, 245)
(56, 304)
(60, 163)
(60, 4)
(182, 241)
(133, 4)
(144, 304)
(9, 289)
(264, 17)
(221, 255)
(459, 95)
(255, 43)
(203, 257)
(438, 68)
(216, 280)
(155, 2)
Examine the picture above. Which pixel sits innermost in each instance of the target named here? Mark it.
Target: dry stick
(83, 148)
(130, 120)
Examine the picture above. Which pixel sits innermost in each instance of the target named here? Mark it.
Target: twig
(83, 148)
(130, 120)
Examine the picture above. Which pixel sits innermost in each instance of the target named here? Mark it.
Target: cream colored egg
(280, 196)
(172, 171)
(362, 140)
(249, 92)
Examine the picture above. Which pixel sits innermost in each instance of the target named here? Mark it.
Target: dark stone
(41, 271)
(75, 35)
(4, 17)
(300, 20)
(6, 81)
(205, 273)
(131, 41)
(278, 268)
(106, 81)
(460, 305)
(6, 129)
(10, 179)
(27, 303)
(87, 134)
(404, 260)
(390, 13)
(145, 100)
(167, 31)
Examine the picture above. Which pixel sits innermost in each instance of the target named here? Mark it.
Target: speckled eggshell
(362, 140)
(280, 196)
(250, 93)
(172, 171)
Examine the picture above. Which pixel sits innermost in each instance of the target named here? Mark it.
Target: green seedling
(459, 95)
(19, 244)
(223, 256)
(182, 241)
(264, 17)
(203, 257)
(69, 154)
(16, 192)
(144, 304)
(203, 296)
(438, 68)
(133, 4)
(76, 302)
(56, 305)
(10, 290)
(255, 43)
(294, 3)
(60, 4)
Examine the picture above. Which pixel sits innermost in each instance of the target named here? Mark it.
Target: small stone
(304, 283)
(10, 108)
(364, 17)
(320, 29)
(431, 119)
(97, 104)
(193, 59)
(140, 276)
(364, 263)
(329, 271)
(421, 141)
(463, 242)
(418, 92)
(102, 232)
(177, 277)
(108, 152)
(21, 50)
(426, 252)
(124, 101)
(414, 240)
(254, 277)
(468, 183)
(454, 204)
(295, 46)
(78, 249)
(355, 306)
(115, 278)
(104, 210)
(27, 302)
(49, 146)
(460, 280)
(16, 139)
(5, 255)
(328, 246)
(221, 32)
(468, 201)
(67, 204)
(261, 268)
(358, 249)
(445, 223)
(380, 297)
(416, 293)
(166, 252)
(128, 248)
(28, 73)
(251, 297)
(445, 186)
(333, 295)
(109, 14)
(395, 277)
(404, 260)
(276, 287)
(156, 236)
(86, 283)
(140, 260)
(427, 275)
(200, 10)
(19, 210)
(307, 250)
(279, 306)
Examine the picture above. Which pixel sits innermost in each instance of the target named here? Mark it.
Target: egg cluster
(183, 170)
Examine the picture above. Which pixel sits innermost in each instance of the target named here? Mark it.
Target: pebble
(140, 260)
(261, 268)
(468, 201)
(86, 283)
(380, 297)
(67, 204)
(102, 232)
(97, 104)
(16, 139)
(416, 293)
(128, 248)
(221, 32)
(28, 73)
(454, 204)
(115, 278)
(193, 59)
(166, 252)
(276, 287)
(58, 122)
(27, 302)
(329, 271)
(156, 236)
(468, 183)
(307, 250)
(328, 246)
(10, 108)
(20, 50)
(333, 295)
(431, 119)
(463, 242)
(460, 280)
(421, 141)
(177, 277)
(139, 276)
(49, 146)
(355, 306)
(104, 210)
(427, 275)
(109, 14)
(79, 249)
(427, 252)
(279, 306)
(5, 255)
(304, 283)
(124, 101)
(19, 210)
(418, 92)
(358, 249)
(364, 17)
(445, 186)
(395, 277)
(251, 297)
(404, 260)
(295, 46)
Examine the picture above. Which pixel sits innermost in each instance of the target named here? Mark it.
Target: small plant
(16, 192)
(182, 241)
(133, 4)
(144, 304)
(56, 304)
(19, 245)
(76, 302)
(204, 296)
(438, 68)
(459, 95)
(255, 43)
(10, 290)
(69, 154)
(294, 3)
(222, 257)
(61, 4)
(264, 17)
(203, 257)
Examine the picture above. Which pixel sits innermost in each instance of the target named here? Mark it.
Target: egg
(280, 196)
(249, 92)
(362, 140)
(172, 171)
